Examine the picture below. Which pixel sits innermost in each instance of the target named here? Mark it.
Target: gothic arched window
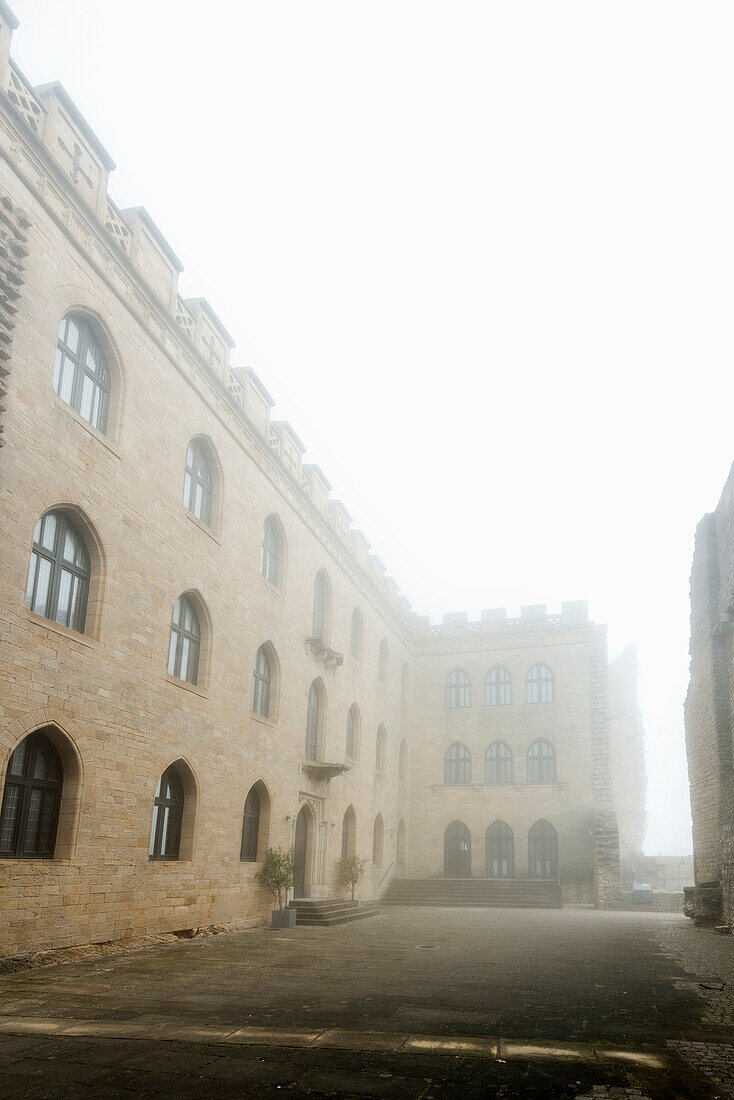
(185, 641)
(457, 764)
(165, 833)
(261, 683)
(81, 375)
(198, 482)
(497, 688)
(498, 763)
(60, 571)
(31, 799)
(541, 763)
(457, 689)
(271, 551)
(539, 684)
(250, 827)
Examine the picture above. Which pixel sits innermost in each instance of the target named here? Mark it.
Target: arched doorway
(543, 850)
(402, 860)
(303, 850)
(457, 851)
(499, 851)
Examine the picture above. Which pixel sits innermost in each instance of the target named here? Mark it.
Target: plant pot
(283, 918)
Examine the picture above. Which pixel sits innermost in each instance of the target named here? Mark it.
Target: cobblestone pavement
(427, 1003)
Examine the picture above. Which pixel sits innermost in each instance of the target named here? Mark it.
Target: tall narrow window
(349, 829)
(381, 751)
(250, 827)
(81, 375)
(321, 606)
(270, 551)
(383, 664)
(261, 681)
(185, 642)
(498, 764)
(165, 834)
(499, 851)
(539, 685)
(356, 636)
(403, 762)
(312, 723)
(457, 764)
(31, 800)
(378, 833)
(541, 763)
(457, 689)
(353, 732)
(497, 688)
(198, 482)
(58, 579)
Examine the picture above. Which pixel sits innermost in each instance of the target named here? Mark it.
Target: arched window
(250, 827)
(543, 850)
(31, 800)
(356, 635)
(313, 722)
(457, 689)
(185, 641)
(457, 764)
(539, 685)
(261, 682)
(349, 832)
(403, 762)
(497, 688)
(198, 482)
(271, 551)
(381, 751)
(541, 763)
(383, 665)
(404, 686)
(81, 374)
(378, 833)
(165, 834)
(498, 763)
(499, 851)
(59, 574)
(321, 606)
(353, 730)
(457, 851)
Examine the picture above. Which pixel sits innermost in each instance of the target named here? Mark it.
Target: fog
(481, 256)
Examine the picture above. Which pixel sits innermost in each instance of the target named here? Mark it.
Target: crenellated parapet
(64, 163)
(533, 617)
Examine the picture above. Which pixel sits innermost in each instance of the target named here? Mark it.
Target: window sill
(276, 589)
(262, 721)
(95, 433)
(64, 631)
(193, 688)
(202, 527)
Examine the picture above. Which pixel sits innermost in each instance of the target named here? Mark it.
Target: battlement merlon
(533, 617)
(47, 115)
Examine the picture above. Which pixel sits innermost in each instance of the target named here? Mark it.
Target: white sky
(481, 254)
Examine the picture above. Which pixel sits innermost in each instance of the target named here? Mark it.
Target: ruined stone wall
(627, 759)
(708, 710)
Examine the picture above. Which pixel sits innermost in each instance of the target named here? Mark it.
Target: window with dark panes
(312, 723)
(541, 763)
(250, 827)
(539, 685)
(270, 551)
(499, 851)
(81, 375)
(457, 764)
(59, 574)
(185, 642)
(261, 680)
(457, 689)
(30, 808)
(498, 763)
(165, 833)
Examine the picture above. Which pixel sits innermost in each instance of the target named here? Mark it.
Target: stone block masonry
(130, 753)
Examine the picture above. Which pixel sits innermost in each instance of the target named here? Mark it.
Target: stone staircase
(324, 912)
(489, 893)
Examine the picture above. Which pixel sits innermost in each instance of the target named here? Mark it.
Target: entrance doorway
(303, 848)
(543, 850)
(457, 851)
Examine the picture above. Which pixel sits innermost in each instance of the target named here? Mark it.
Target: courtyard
(415, 1002)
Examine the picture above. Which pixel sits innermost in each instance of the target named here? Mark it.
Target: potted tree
(350, 870)
(276, 875)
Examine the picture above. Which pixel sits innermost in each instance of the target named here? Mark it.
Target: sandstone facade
(104, 697)
(709, 713)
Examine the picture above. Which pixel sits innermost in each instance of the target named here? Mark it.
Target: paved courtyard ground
(425, 1003)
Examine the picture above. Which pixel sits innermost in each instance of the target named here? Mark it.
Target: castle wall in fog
(104, 696)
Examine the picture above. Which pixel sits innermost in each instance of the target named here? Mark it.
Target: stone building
(708, 713)
(199, 656)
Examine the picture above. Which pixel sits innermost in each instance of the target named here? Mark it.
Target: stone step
(475, 893)
(327, 911)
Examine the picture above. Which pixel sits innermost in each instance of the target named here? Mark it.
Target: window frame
(183, 635)
(199, 474)
(160, 824)
(501, 761)
(540, 684)
(101, 380)
(456, 759)
(271, 552)
(497, 684)
(313, 722)
(457, 690)
(250, 832)
(541, 763)
(58, 566)
(262, 683)
(27, 783)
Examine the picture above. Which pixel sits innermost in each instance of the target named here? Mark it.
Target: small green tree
(276, 873)
(351, 869)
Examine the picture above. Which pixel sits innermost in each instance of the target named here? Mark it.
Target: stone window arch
(543, 850)
(354, 729)
(541, 762)
(539, 684)
(349, 832)
(184, 646)
(499, 851)
(199, 480)
(498, 763)
(60, 571)
(356, 636)
(255, 824)
(81, 375)
(174, 814)
(497, 688)
(457, 689)
(457, 764)
(383, 664)
(31, 804)
(403, 761)
(265, 682)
